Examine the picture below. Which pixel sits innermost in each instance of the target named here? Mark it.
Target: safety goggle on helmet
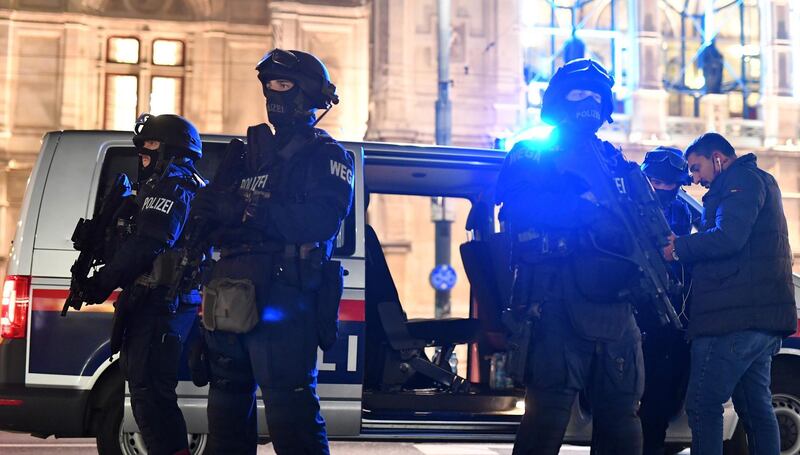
(666, 163)
(302, 68)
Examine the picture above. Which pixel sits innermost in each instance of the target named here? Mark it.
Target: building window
(161, 75)
(167, 52)
(122, 97)
(166, 95)
(123, 50)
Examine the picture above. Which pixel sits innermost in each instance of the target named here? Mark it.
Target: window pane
(121, 99)
(165, 95)
(167, 52)
(123, 50)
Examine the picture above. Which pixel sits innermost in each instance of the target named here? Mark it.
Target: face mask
(281, 108)
(665, 197)
(586, 115)
(145, 173)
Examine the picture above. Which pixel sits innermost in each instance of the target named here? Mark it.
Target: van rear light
(14, 306)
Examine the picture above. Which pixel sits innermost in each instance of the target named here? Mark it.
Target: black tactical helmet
(582, 73)
(667, 164)
(305, 70)
(171, 130)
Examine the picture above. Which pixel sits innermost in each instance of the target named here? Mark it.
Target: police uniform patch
(341, 171)
(161, 204)
(255, 183)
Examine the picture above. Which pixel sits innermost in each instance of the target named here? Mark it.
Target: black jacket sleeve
(317, 215)
(740, 203)
(159, 223)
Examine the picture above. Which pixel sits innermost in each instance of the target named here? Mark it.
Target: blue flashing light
(271, 315)
(542, 134)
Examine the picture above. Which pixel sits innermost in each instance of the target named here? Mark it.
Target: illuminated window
(123, 50)
(167, 52)
(122, 95)
(165, 95)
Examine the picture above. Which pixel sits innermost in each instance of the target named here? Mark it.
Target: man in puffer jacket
(742, 295)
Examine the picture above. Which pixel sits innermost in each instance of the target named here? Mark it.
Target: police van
(387, 377)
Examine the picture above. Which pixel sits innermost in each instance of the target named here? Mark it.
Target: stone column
(504, 59)
(779, 94)
(207, 72)
(714, 110)
(648, 104)
(392, 97)
(77, 112)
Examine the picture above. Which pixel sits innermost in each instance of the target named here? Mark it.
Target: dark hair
(709, 143)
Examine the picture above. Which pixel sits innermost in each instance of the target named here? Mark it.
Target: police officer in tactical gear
(150, 329)
(276, 232)
(665, 348)
(568, 277)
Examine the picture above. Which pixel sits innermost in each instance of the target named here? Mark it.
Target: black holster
(129, 301)
(328, 297)
(199, 366)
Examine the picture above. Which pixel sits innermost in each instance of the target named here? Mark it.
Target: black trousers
(150, 359)
(279, 356)
(562, 364)
(666, 366)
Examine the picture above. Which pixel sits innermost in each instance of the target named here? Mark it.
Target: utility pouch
(329, 295)
(230, 305)
(166, 267)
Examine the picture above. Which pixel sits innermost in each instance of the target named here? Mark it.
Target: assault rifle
(639, 212)
(633, 201)
(194, 245)
(90, 238)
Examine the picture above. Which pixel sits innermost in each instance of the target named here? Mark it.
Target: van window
(125, 160)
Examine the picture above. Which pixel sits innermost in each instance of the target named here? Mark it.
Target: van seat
(403, 338)
(438, 332)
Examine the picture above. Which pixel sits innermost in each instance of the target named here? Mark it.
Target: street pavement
(18, 444)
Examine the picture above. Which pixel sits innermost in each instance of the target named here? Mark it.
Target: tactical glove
(95, 291)
(225, 209)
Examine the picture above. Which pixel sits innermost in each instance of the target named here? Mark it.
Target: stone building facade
(73, 64)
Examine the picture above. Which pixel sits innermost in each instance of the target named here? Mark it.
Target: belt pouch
(230, 305)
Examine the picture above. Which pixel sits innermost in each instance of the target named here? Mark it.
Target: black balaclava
(665, 197)
(585, 115)
(287, 110)
(145, 173)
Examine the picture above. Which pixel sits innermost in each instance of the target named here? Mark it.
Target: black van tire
(108, 435)
(786, 401)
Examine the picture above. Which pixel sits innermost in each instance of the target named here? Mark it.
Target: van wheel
(786, 401)
(133, 443)
(111, 440)
(108, 429)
